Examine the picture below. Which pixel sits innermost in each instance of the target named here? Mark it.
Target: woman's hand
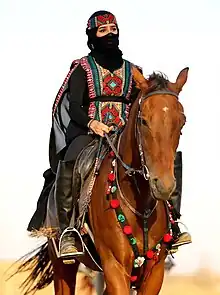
(99, 128)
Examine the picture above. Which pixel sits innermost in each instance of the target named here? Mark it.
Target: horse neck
(129, 152)
(128, 145)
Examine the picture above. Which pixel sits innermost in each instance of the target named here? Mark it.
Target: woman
(97, 93)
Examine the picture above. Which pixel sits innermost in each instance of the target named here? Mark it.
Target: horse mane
(158, 81)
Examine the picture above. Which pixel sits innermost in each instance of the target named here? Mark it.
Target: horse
(129, 209)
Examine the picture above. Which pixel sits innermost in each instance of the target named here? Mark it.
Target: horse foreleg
(153, 281)
(116, 278)
(64, 277)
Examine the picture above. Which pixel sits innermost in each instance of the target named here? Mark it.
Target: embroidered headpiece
(102, 19)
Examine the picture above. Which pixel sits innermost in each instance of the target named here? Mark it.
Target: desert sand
(201, 283)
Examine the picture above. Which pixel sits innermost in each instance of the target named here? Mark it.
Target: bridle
(139, 121)
(144, 170)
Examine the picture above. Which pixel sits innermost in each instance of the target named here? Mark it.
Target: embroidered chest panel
(109, 112)
(102, 82)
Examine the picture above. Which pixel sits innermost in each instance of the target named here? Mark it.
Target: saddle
(84, 175)
(85, 171)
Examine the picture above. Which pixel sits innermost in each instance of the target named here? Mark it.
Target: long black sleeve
(78, 98)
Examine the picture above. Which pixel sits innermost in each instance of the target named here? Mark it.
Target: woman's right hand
(99, 128)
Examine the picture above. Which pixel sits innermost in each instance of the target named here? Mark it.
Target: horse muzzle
(162, 188)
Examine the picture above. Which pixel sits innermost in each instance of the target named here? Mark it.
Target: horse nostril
(162, 187)
(155, 181)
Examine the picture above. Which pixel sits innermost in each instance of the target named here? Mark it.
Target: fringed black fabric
(38, 263)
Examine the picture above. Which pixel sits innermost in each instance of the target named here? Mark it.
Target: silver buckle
(145, 172)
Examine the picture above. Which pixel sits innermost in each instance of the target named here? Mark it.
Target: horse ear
(181, 79)
(139, 79)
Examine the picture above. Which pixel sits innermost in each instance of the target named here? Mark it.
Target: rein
(129, 170)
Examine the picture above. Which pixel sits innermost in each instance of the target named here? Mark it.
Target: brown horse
(128, 212)
(154, 124)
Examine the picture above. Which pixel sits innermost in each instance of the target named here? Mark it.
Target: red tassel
(150, 254)
(133, 279)
(127, 229)
(108, 190)
(167, 238)
(115, 203)
(111, 154)
(111, 176)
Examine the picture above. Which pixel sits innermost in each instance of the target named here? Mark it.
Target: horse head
(159, 121)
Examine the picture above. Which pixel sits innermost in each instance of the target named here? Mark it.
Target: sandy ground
(202, 283)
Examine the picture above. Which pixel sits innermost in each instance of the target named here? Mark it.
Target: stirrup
(75, 254)
(183, 239)
(178, 221)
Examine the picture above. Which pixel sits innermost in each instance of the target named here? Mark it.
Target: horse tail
(38, 263)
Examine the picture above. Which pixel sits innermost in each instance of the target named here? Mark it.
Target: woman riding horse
(97, 93)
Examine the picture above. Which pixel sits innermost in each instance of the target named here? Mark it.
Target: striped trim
(87, 68)
(92, 110)
(97, 75)
(62, 88)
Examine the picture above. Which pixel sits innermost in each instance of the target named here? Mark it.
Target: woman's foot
(68, 247)
(183, 239)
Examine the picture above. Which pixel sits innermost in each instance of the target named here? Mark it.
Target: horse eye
(144, 122)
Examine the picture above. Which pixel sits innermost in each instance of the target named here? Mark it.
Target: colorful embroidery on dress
(110, 113)
(102, 82)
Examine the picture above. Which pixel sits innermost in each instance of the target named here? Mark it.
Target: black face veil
(104, 49)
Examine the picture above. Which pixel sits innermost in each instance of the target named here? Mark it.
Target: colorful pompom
(111, 154)
(133, 279)
(150, 254)
(113, 189)
(167, 238)
(121, 218)
(111, 176)
(127, 229)
(114, 203)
